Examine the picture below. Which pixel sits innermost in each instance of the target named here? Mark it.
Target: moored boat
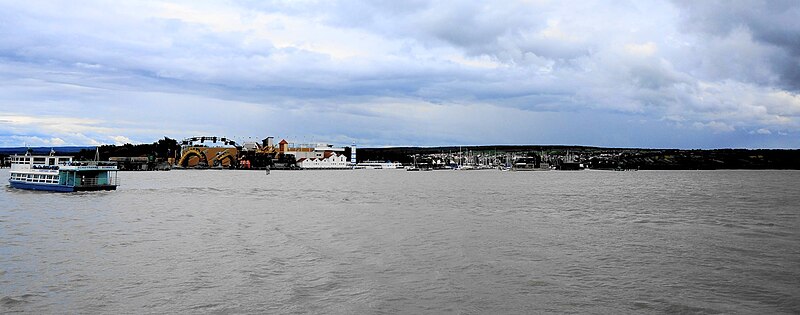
(61, 174)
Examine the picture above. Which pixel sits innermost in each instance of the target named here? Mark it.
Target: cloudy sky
(677, 74)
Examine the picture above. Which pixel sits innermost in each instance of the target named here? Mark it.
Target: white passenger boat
(61, 174)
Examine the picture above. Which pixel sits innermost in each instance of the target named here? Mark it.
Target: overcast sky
(662, 74)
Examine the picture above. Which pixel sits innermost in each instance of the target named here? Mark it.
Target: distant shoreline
(588, 156)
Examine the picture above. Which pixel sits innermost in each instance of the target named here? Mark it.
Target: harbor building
(314, 154)
(331, 160)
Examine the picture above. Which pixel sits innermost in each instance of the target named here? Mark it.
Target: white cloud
(644, 50)
(55, 125)
(35, 141)
(120, 140)
(715, 126)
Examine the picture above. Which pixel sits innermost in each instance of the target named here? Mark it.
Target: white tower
(353, 154)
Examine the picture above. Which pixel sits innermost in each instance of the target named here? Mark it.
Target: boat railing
(90, 163)
(89, 182)
(96, 182)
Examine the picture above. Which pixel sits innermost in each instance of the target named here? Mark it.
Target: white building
(330, 160)
(308, 151)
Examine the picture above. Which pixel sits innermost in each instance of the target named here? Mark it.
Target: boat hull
(59, 188)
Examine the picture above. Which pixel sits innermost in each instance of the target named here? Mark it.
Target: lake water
(387, 242)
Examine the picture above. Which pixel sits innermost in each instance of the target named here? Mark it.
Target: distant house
(330, 160)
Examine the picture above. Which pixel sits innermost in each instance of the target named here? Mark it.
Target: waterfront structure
(254, 155)
(353, 154)
(61, 174)
(379, 165)
(330, 161)
(308, 151)
(205, 152)
(133, 163)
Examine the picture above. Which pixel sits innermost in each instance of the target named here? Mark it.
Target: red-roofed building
(320, 155)
(331, 161)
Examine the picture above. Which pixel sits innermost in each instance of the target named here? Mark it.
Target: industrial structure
(221, 152)
(203, 152)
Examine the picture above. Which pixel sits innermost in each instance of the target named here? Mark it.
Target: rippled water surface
(345, 242)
